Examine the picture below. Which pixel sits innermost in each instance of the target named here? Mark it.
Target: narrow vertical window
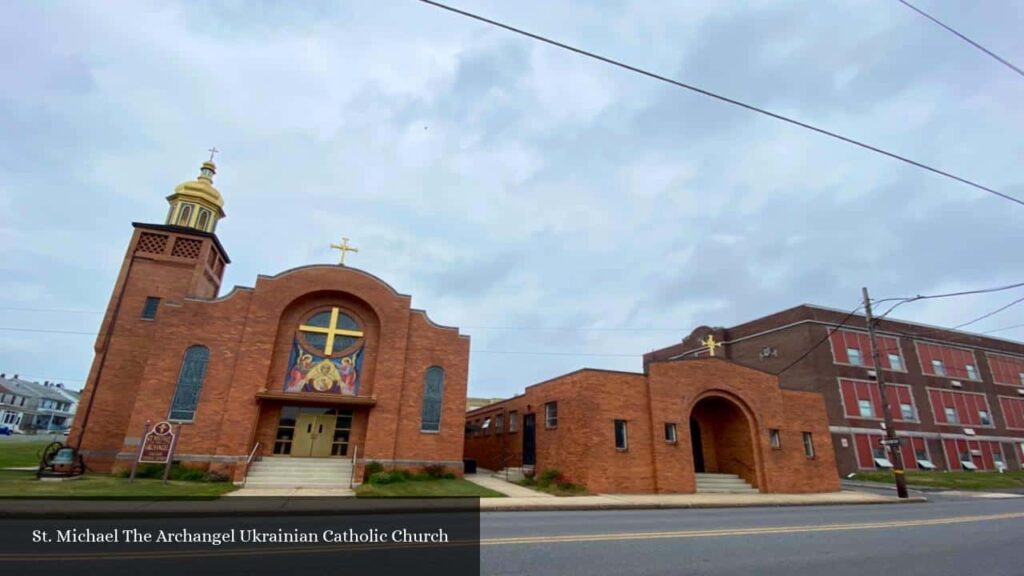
(149, 309)
(938, 368)
(808, 445)
(774, 439)
(190, 383)
(866, 409)
(972, 372)
(499, 424)
(513, 421)
(184, 215)
(621, 440)
(204, 219)
(895, 362)
(551, 415)
(670, 432)
(433, 392)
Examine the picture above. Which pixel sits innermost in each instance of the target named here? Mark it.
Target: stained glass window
(190, 382)
(433, 392)
(318, 341)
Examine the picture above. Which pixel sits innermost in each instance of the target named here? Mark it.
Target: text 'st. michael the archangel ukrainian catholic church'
(317, 362)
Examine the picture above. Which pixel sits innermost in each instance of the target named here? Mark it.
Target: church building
(319, 362)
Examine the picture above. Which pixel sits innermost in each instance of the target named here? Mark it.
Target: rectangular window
(984, 417)
(866, 410)
(513, 421)
(920, 454)
(774, 438)
(895, 362)
(853, 354)
(907, 412)
(621, 441)
(551, 415)
(670, 432)
(951, 417)
(149, 309)
(938, 368)
(972, 372)
(808, 445)
(499, 424)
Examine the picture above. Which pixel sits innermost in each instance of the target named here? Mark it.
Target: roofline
(548, 381)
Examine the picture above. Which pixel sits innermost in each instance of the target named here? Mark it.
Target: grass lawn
(24, 485)
(19, 454)
(951, 480)
(426, 489)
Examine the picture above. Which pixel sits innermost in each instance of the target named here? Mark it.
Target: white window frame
(861, 404)
(775, 438)
(551, 414)
(513, 421)
(896, 366)
(955, 420)
(903, 415)
(851, 352)
(671, 433)
(938, 367)
(808, 445)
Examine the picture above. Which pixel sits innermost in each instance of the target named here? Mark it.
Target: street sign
(890, 442)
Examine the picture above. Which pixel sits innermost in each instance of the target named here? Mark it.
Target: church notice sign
(157, 446)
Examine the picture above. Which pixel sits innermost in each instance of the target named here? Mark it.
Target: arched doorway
(722, 440)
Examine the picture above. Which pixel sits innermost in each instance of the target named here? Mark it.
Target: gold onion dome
(196, 203)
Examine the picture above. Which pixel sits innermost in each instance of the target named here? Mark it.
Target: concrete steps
(512, 474)
(286, 472)
(716, 483)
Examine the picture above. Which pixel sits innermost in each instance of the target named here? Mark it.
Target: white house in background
(33, 407)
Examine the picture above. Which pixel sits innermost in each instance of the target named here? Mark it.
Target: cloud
(541, 200)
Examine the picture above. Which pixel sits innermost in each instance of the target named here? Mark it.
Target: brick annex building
(317, 362)
(681, 426)
(957, 400)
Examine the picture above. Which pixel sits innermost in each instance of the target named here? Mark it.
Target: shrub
(550, 476)
(370, 469)
(215, 477)
(434, 471)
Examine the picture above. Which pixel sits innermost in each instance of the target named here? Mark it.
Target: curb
(391, 507)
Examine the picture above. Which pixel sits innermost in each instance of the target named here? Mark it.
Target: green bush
(178, 472)
(370, 469)
(550, 476)
(435, 471)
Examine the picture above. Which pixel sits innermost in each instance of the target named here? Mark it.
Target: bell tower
(164, 265)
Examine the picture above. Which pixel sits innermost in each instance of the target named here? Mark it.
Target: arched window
(204, 219)
(170, 214)
(185, 215)
(433, 392)
(190, 382)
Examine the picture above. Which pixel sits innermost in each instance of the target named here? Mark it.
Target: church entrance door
(529, 440)
(314, 434)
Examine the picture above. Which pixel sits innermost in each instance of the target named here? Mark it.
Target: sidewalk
(311, 506)
(507, 488)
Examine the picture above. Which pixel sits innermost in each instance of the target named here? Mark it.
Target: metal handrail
(248, 463)
(355, 461)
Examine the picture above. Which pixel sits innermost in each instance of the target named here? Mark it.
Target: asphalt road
(948, 536)
(765, 541)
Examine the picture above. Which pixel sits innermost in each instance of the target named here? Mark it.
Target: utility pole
(890, 431)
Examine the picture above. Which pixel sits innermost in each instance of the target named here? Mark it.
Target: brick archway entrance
(722, 439)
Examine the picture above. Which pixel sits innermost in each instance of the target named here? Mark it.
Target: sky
(563, 212)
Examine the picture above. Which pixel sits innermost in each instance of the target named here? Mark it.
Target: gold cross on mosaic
(331, 330)
(711, 344)
(345, 248)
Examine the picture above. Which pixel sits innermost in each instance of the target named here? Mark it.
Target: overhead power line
(992, 313)
(905, 300)
(1001, 60)
(725, 99)
(1003, 329)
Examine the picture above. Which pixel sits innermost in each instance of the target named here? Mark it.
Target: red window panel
(849, 390)
(898, 395)
(938, 406)
(1013, 411)
(967, 416)
(843, 339)
(865, 443)
(1006, 369)
(954, 360)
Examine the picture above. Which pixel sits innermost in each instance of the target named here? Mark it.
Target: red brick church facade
(318, 361)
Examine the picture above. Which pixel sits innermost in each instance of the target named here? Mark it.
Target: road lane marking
(509, 541)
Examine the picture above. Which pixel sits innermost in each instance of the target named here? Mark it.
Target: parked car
(5, 431)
